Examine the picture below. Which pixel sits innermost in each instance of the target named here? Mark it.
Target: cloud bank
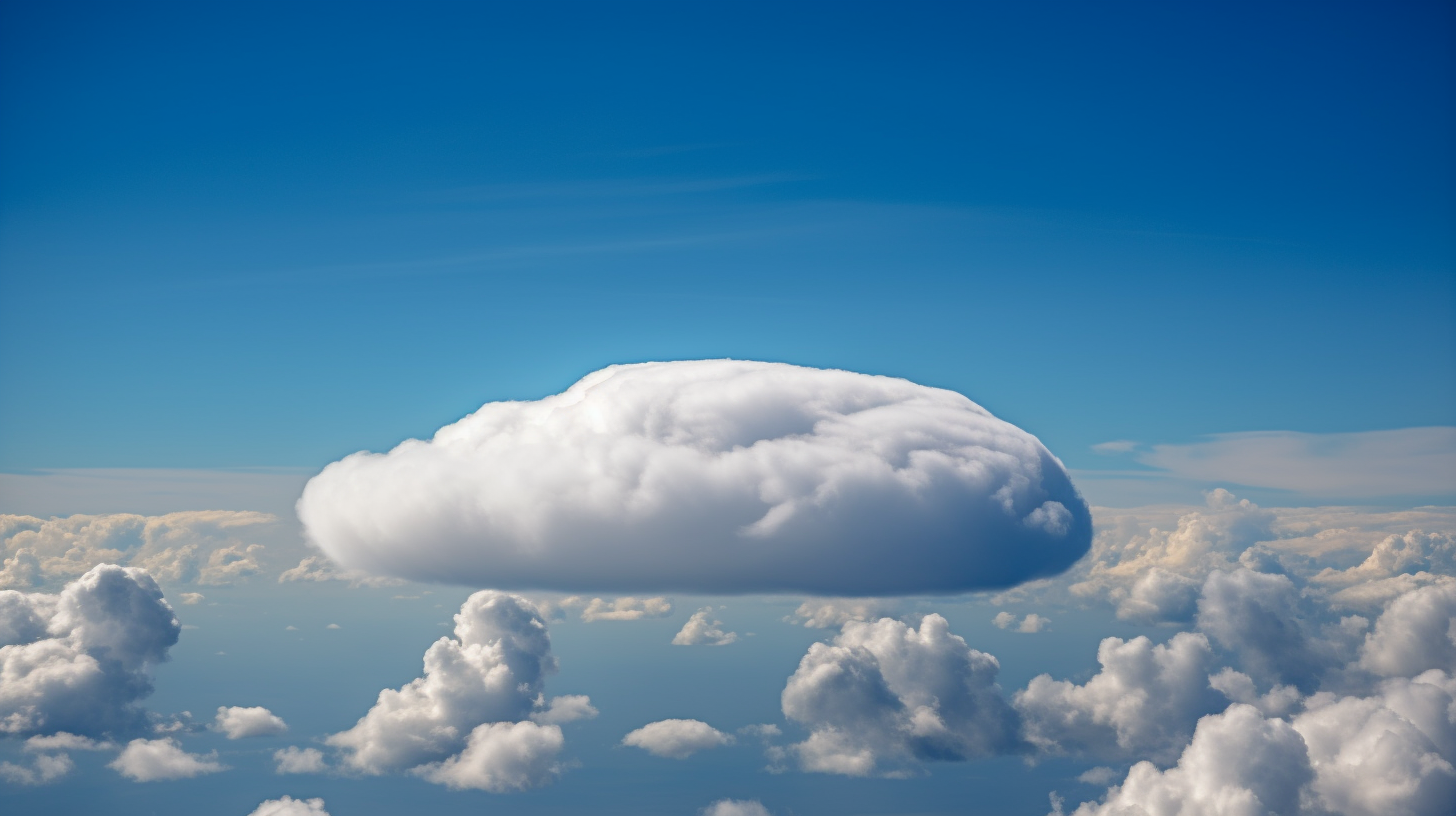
(714, 476)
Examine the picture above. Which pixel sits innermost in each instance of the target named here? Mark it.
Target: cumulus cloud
(501, 757)
(1030, 624)
(885, 693)
(288, 806)
(701, 630)
(626, 609)
(238, 722)
(204, 547)
(1263, 619)
(566, 708)
(1144, 701)
(1416, 633)
(676, 739)
(829, 613)
(715, 476)
(318, 569)
(80, 661)
(43, 769)
(736, 807)
(465, 722)
(295, 760)
(63, 741)
(144, 760)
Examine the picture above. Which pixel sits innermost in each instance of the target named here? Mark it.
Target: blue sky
(1189, 247)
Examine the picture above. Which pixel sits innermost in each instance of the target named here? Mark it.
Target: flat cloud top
(714, 476)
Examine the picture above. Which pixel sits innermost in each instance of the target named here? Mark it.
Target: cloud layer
(713, 476)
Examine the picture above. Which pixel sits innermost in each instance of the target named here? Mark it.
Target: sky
(1203, 256)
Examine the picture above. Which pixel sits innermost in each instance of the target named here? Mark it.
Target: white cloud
(79, 661)
(626, 609)
(288, 806)
(295, 760)
(192, 598)
(1115, 447)
(828, 613)
(501, 757)
(1144, 701)
(1408, 461)
(491, 671)
(43, 769)
(154, 760)
(676, 739)
(711, 476)
(205, 547)
(566, 708)
(238, 722)
(736, 807)
(701, 630)
(63, 741)
(1031, 624)
(1261, 618)
(1238, 764)
(886, 693)
(317, 569)
(1417, 632)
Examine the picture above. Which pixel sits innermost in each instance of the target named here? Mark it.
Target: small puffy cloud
(676, 739)
(238, 722)
(566, 708)
(81, 660)
(144, 760)
(1238, 764)
(1031, 624)
(885, 693)
(1100, 775)
(626, 609)
(829, 613)
(192, 598)
(333, 626)
(43, 769)
(295, 760)
(66, 742)
(736, 807)
(493, 670)
(1416, 633)
(501, 757)
(1144, 701)
(715, 476)
(701, 630)
(288, 806)
(204, 547)
(316, 568)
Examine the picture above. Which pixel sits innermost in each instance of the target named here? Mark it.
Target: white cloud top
(715, 476)
(238, 722)
(702, 630)
(288, 806)
(676, 739)
(156, 760)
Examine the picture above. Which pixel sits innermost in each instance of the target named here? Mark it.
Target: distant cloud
(295, 760)
(501, 757)
(238, 722)
(827, 613)
(566, 708)
(43, 769)
(80, 661)
(702, 630)
(1031, 624)
(288, 806)
(676, 739)
(736, 807)
(711, 476)
(1408, 461)
(156, 760)
(1114, 447)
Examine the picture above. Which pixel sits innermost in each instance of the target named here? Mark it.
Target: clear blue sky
(273, 233)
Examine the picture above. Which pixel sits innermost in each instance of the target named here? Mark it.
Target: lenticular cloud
(714, 476)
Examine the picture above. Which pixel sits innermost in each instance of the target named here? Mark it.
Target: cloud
(317, 569)
(702, 630)
(204, 547)
(192, 598)
(626, 609)
(1114, 447)
(886, 693)
(43, 769)
(1238, 764)
(1408, 461)
(295, 760)
(1144, 701)
(736, 807)
(1416, 633)
(238, 722)
(63, 741)
(714, 476)
(566, 708)
(676, 739)
(288, 806)
(490, 674)
(501, 757)
(1031, 624)
(828, 613)
(146, 760)
(1264, 620)
(81, 660)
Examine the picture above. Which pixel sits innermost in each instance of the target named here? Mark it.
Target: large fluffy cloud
(79, 661)
(206, 547)
(886, 693)
(715, 476)
(477, 718)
